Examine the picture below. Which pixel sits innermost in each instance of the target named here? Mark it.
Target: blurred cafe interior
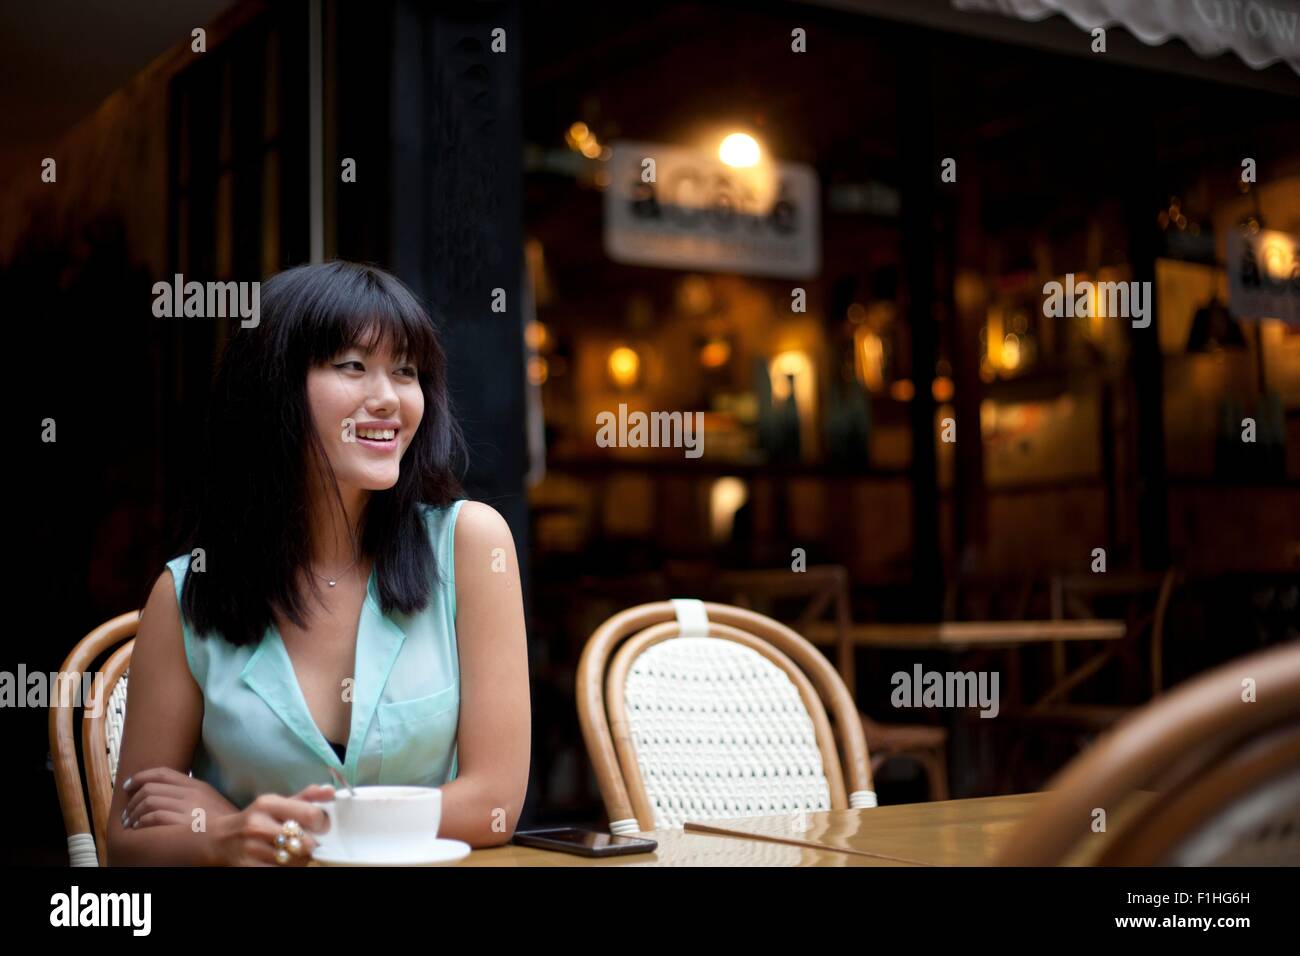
(824, 425)
(839, 269)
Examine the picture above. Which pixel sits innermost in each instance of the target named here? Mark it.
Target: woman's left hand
(162, 795)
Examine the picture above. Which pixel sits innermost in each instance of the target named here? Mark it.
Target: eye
(407, 370)
(359, 367)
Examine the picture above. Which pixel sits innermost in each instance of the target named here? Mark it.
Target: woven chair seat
(720, 731)
(116, 721)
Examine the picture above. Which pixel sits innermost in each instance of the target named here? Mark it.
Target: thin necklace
(332, 581)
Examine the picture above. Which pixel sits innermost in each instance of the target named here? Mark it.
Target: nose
(381, 397)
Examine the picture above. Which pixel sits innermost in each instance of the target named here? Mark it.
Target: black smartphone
(583, 842)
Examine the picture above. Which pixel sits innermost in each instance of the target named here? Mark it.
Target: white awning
(1260, 32)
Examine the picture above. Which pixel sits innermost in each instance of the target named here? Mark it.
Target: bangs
(368, 310)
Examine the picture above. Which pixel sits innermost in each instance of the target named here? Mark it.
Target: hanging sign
(686, 209)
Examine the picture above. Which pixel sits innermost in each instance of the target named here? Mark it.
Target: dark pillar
(920, 172)
(1143, 200)
(969, 310)
(456, 223)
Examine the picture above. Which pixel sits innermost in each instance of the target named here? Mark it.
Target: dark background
(169, 161)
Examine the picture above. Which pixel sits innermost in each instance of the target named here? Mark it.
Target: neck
(335, 537)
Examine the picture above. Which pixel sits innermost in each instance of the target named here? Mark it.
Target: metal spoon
(343, 780)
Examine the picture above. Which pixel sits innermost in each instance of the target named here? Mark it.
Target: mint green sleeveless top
(258, 735)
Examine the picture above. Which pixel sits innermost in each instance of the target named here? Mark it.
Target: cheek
(413, 407)
(328, 402)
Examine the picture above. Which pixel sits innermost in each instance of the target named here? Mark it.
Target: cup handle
(329, 839)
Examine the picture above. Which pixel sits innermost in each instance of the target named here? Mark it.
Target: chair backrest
(1208, 773)
(1072, 593)
(103, 712)
(696, 710)
(824, 586)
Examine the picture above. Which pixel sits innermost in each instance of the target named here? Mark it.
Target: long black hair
(252, 518)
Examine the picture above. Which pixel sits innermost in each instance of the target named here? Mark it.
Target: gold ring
(288, 842)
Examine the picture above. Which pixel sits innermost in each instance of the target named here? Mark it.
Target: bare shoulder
(162, 611)
(160, 640)
(486, 562)
(480, 525)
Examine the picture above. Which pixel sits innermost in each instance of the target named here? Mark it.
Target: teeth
(377, 434)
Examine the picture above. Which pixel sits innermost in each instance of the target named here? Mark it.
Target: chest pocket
(418, 737)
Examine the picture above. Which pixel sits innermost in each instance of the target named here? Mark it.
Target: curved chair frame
(83, 847)
(1201, 746)
(613, 647)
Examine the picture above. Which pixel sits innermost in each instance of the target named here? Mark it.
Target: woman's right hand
(247, 838)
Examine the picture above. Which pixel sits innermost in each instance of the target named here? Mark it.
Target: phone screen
(581, 838)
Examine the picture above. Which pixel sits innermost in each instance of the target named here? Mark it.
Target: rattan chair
(699, 711)
(827, 588)
(103, 716)
(1201, 776)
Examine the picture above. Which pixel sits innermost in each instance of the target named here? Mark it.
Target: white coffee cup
(382, 823)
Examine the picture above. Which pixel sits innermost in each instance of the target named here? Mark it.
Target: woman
(341, 607)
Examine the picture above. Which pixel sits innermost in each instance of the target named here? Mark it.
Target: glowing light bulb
(739, 149)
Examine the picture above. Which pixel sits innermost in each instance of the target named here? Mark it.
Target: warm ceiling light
(624, 366)
(1277, 255)
(715, 353)
(903, 390)
(1011, 352)
(739, 149)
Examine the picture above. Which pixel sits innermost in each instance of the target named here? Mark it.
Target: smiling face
(380, 394)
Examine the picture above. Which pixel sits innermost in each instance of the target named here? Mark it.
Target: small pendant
(332, 583)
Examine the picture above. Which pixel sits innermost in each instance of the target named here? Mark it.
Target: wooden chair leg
(936, 770)
(933, 762)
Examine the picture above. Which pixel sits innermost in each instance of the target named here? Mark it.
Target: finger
(258, 853)
(306, 813)
(315, 791)
(153, 775)
(157, 818)
(258, 845)
(150, 805)
(152, 790)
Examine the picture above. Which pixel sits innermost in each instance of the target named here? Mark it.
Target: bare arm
(163, 725)
(482, 805)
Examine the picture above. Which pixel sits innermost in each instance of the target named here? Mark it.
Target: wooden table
(949, 833)
(677, 848)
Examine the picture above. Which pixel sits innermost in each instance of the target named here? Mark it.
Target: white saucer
(438, 853)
